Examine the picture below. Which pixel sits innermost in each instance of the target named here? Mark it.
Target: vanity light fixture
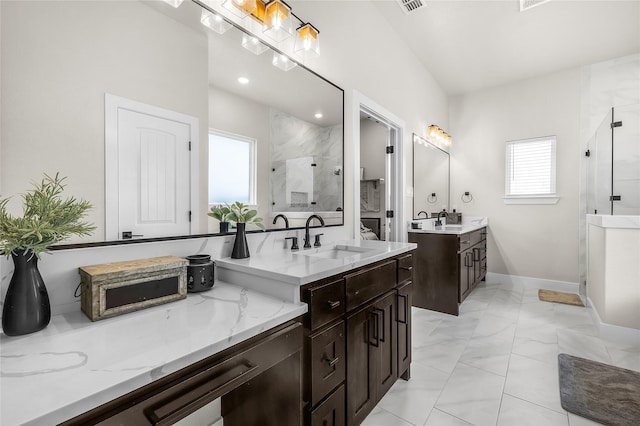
(174, 3)
(282, 61)
(214, 22)
(439, 136)
(240, 8)
(278, 24)
(253, 44)
(243, 80)
(307, 41)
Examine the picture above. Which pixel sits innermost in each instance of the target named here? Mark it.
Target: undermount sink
(336, 252)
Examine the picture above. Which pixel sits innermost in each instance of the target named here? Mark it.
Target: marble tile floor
(496, 363)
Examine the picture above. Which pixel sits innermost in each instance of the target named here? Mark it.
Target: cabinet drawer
(405, 268)
(328, 361)
(476, 236)
(369, 283)
(326, 303)
(464, 242)
(177, 396)
(331, 411)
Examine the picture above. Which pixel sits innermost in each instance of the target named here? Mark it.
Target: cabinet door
(403, 322)
(363, 335)
(466, 274)
(331, 411)
(387, 350)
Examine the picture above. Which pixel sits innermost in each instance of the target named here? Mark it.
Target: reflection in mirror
(54, 84)
(430, 178)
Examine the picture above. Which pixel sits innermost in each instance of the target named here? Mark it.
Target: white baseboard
(612, 332)
(531, 282)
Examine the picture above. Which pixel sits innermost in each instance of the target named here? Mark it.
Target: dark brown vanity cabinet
(447, 268)
(356, 345)
(257, 380)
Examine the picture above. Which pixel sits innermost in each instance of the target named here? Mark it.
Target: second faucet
(307, 238)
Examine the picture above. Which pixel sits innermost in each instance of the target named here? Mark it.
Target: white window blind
(530, 169)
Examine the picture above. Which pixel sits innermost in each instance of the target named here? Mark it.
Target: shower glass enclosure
(613, 172)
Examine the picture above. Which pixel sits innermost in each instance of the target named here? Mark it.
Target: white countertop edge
(109, 373)
(457, 231)
(296, 269)
(615, 221)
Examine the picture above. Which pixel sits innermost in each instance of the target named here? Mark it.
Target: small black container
(199, 273)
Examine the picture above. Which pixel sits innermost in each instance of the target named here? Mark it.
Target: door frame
(394, 174)
(112, 104)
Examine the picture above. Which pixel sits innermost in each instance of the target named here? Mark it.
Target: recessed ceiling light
(243, 80)
(318, 115)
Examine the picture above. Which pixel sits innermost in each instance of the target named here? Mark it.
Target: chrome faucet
(426, 215)
(307, 238)
(438, 221)
(286, 221)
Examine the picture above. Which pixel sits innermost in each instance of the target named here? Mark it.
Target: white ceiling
(471, 45)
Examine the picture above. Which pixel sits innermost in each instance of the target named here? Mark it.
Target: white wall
(538, 241)
(87, 49)
(359, 52)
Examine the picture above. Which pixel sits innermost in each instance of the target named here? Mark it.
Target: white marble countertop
(615, 221)
(448, 229)
(304, 266)
(74, 364)
(468, 224)
(281, 273)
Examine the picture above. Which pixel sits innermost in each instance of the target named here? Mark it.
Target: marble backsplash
(59, 268)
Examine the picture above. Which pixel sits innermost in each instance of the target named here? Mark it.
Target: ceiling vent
(528, 4)
(409, 6)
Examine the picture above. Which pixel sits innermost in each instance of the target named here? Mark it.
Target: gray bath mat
(600, 392)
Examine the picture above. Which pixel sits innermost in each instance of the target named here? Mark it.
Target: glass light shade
(433, 131)
(240, 8)
(307, 41)
(283, 62)
(253, 44)
(174, 3)
(214, 22)
(278, 24)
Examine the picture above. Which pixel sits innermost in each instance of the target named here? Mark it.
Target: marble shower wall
(292, 139)
(613, 83)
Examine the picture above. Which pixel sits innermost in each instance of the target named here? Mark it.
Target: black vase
(240, 247)
(26, 306)
(224, 227)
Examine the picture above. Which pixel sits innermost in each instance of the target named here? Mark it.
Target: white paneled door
(149, 178)
(153, 176)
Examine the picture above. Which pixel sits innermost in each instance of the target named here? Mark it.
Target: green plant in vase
(47, 219)
(242, 214)
(221, 214)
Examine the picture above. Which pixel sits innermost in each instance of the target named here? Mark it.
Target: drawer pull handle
(465, 242)
(376, 329)
(176, 406)
(407, 268)
(405, 308)
(333, 304)
(332, 362)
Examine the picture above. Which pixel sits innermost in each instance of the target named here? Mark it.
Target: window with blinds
(530, 170)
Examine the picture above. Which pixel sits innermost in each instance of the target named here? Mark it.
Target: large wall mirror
(430, 178)
(61, 60)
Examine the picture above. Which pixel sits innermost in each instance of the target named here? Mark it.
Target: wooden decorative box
(113, 289)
